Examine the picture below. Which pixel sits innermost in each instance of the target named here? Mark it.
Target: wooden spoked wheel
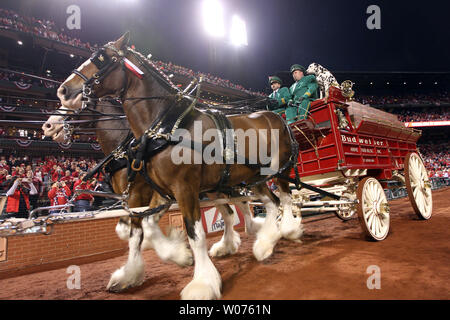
(373, 209)
(418, 185)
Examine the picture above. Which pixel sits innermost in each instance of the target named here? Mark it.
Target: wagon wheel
(418, 186)
(373, 208)
(345, 212)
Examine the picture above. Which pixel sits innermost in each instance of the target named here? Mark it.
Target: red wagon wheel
(373, 209)
(418, 185)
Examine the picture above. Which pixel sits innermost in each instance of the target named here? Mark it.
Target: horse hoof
(223, 248)
(292, 229)
(262, 249)
(200, 290)
(122, 280)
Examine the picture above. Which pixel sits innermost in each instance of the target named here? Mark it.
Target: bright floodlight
(213, 18)
(238, 32)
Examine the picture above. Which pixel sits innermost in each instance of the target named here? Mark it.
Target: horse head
(97, 77)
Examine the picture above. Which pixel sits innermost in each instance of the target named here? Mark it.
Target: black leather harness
(159, 135)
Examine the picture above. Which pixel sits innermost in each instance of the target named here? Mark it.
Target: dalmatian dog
(324, 79)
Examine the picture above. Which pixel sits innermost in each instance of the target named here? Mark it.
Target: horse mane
(154, 67)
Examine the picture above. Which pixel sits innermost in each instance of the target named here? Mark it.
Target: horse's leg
(291, 227)
(268, 235)
(206, 283)
(132, 273)
(230, 242)
(252, 225)
(172, 248)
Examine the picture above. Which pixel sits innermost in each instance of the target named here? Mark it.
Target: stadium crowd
(169, 67)
(412, 98)
(48, 29)
(436, 158)
(39, 27)
(408, 115)
(30, 183)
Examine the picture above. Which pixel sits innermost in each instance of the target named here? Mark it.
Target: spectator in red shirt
(68, 179)
(59, 194)
(84, 201)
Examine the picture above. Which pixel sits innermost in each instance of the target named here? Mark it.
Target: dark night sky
(415, 36)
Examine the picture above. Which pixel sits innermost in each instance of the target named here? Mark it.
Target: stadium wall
(76, 242)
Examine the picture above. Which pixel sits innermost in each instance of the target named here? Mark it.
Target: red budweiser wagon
(348, 153)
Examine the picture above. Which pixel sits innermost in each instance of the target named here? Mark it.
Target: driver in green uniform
(303, 91)
(280, 94)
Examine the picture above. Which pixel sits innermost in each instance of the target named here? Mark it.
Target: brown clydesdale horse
(111, 130)
(146, 96)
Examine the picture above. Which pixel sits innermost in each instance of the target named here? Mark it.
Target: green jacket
(305, 88)
(282, 96)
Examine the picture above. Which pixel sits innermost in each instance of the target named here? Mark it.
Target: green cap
(297, 67)
(275, 79)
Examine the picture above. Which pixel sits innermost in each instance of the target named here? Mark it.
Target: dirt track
(331, 263)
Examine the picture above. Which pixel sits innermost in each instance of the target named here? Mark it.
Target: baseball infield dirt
(331, 263)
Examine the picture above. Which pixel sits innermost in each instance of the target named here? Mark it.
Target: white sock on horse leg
(132, 273)
(172, 248)
(251, 224)
(206, 284)
(269, 234)
(230, 242)
(291, 228)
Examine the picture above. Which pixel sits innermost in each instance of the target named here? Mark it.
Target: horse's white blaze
(132, 273)
(252, 225)
(172, 248)
(269, 234)
(291, 228)
(230, 242)
(206, 284)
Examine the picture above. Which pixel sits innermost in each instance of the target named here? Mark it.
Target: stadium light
(213, 18)
(238, 32)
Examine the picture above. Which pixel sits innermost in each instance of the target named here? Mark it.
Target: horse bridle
(105, 64)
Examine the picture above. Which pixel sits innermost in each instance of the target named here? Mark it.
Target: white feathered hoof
(292, 228)
(177, 249)
(124, 278)
(262, 249)
(198, 289)
(224, 247)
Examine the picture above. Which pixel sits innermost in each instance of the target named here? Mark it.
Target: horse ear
(122, 42)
